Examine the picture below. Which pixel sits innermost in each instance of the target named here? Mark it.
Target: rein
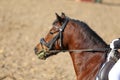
(45, 53)
(82, 50)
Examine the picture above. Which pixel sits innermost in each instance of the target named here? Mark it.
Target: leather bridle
(59, 37)
(51, 43)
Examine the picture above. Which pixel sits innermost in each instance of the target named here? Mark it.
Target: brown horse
(80, 40)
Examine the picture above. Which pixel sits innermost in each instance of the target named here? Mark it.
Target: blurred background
(24, 22)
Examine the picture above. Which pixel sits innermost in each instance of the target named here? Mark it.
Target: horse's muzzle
(41, 54)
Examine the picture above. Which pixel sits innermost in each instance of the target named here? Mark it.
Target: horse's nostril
(36, 50)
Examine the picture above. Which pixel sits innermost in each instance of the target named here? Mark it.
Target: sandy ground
(24, 22)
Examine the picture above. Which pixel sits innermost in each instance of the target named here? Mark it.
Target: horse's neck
(86, 64)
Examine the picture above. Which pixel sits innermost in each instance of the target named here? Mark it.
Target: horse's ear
(63, 15)
(58, 17)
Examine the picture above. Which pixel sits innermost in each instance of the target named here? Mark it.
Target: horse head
(54, 39)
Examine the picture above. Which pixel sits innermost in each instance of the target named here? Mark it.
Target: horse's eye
(51, 33)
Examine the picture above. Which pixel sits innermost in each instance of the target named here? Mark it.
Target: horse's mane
(87, 32)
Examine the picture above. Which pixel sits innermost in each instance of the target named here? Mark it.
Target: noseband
(51, 43)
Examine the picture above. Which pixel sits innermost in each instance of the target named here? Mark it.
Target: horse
(84, 45)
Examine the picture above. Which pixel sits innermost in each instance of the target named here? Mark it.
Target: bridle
(51, 43)
(59, 35)
(44, 53)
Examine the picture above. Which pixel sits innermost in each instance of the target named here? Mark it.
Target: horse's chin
(44, 55)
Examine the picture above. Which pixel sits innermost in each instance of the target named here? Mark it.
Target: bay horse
(80, 40)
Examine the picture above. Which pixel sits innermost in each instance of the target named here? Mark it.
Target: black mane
(89, 34)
